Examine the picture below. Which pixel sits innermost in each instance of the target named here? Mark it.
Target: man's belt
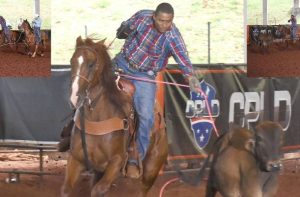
(136, 67)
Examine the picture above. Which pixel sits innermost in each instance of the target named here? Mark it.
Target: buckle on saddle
(126, 124)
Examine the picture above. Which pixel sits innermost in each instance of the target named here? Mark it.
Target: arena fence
(34, 110)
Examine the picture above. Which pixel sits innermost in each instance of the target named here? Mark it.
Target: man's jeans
(143, 99)
(6, 35)
(37, 35)
(294, 32)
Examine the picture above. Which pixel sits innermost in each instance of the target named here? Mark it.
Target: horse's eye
(90, 65)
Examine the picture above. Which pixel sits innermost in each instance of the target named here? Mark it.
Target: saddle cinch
(110, 125)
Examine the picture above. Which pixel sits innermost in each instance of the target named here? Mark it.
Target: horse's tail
(195, 180)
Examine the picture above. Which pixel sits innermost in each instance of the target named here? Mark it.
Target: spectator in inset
(20, 24)
(4, 29)
(293, 21)
(37, 23)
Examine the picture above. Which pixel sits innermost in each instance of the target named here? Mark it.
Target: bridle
(95, 53)
(88, 81)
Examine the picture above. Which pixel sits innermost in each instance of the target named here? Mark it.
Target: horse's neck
(27, 31)
(103, 109)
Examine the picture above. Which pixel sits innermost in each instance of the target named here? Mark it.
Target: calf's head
(268, 143)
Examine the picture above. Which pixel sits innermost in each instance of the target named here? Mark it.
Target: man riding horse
(4, 29)
(151, 38)
(37, 23)
(293, 21)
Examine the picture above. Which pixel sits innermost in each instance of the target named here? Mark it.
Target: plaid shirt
(149, 49)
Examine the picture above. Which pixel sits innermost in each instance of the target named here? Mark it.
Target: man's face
(163, 21)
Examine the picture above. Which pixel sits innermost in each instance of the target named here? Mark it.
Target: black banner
(233, 98)
(33, 109)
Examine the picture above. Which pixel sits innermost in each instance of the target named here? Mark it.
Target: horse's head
(88, 62)
(26, 25)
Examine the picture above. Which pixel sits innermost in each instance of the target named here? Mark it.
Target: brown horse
(12, 38)
(93, 81)
(30, 39)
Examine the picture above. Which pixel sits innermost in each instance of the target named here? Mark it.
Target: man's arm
(179, 52)
(131, 24)
(127, 26)
(123, 31)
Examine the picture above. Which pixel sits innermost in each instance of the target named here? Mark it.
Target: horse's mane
(30, 28)
(107, 78)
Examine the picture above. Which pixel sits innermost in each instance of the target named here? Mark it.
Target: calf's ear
(250, 145)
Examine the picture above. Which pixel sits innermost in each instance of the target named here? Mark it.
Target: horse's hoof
(132, 171)
(33, 56)
(42, 55)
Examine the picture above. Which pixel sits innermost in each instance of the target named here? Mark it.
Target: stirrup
(134, 170)
(131, 169)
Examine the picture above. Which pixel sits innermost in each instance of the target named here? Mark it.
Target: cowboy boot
(134, 168)
(65, 137)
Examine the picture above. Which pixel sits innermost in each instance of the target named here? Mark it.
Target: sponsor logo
(249, 107)
(201, 108)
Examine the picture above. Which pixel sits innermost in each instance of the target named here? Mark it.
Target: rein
(181, 85)
(83, 138)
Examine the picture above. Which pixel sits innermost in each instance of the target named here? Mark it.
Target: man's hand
(194, 84)
(123, 31)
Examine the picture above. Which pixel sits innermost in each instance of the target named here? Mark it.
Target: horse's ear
(79, 41)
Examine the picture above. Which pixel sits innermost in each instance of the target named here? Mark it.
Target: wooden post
(296, 3)
(208, 42)
(36, 7)
(265, 12)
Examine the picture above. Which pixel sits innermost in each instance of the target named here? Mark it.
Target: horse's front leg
(27, 48)
(110, 174)
(73, 170)
(44, 44)
(35, 50)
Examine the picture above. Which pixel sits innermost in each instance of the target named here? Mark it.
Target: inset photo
(273, 45)
(25, 38)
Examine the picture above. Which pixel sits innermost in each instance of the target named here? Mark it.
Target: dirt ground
(18, 64)
(277, 61)
(166, 184)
